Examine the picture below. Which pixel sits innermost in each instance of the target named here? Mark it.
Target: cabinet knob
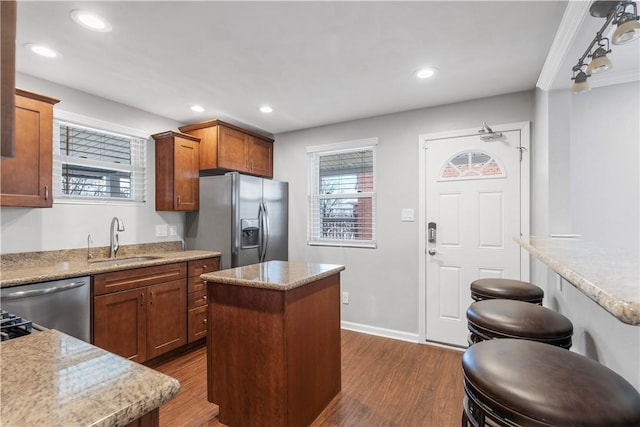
(204, 297)
(204, 321)
(178, 200)
(46, 192)
(204, 267)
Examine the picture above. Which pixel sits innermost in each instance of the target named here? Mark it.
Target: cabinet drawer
(196, 299)
(129, 279)
(197, 323)
(195, 284)
(201, 266)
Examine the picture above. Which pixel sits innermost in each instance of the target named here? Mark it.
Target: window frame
(314, 195)
(137, 168)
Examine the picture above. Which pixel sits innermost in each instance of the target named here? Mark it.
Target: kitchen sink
(120, 261)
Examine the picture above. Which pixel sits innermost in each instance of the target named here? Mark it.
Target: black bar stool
(501, 318)
(517, 382)
(496, 288)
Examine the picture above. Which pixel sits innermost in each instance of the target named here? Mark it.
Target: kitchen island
(49, 378)
(273, 352)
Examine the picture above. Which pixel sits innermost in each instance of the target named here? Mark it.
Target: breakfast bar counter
(50, 378)
(273, 352)
(612, 280)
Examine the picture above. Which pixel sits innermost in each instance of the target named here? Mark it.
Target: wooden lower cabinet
(120, 324)
(142, 323)
(197, 297)
(166, 319)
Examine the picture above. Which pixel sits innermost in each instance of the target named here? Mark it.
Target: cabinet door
(260, 155)
(166, 317)
(231, 149)
(26, 178)
(186, 175)
(119, 324)
(197, 323)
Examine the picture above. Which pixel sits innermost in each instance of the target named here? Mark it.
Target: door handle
(432, 252)
(431, 232)
(36, 292)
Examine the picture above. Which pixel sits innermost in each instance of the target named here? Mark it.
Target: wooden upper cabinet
(27, 177)
(177, 172)
(8, 13)
(225, 147)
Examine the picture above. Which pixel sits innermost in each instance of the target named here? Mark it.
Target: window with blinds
(96, 165)
(342, 199)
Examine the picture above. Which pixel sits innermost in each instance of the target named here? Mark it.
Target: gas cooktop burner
(12, 326)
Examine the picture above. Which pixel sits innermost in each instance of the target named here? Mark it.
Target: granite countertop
(34, 267)
(50, 378)
(610, 279)
(278, 275)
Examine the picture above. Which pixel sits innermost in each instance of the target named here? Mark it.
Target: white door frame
(525, 179)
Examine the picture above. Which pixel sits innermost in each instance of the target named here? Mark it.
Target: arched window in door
(472, 164)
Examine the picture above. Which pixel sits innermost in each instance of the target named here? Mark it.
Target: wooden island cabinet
(226, 147)
(273, 353)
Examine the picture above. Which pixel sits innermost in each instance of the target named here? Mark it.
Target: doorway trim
(525, 178)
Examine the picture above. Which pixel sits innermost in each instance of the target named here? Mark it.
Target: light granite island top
(610, 279)
(278, 275)
(50, 378)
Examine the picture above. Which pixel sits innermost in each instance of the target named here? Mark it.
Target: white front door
(473, 207)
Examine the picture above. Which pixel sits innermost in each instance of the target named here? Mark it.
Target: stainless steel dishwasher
(64, 305)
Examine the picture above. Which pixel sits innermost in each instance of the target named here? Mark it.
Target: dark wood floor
(385, 382)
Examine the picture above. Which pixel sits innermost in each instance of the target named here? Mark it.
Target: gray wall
(383, 282)
(605, 178)
(66, 226)
(590, 185)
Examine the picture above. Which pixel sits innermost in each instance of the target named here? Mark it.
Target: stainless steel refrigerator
(242, 216)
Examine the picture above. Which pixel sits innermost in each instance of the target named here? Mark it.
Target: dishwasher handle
(36, 292)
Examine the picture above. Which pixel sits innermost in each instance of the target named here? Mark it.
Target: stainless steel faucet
(116, 225)
(89, 242)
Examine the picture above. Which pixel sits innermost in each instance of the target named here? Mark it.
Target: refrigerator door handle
(265, 239)
(260, 232)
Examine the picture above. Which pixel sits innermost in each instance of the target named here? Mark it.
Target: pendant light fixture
(624, 14)
(628, 28)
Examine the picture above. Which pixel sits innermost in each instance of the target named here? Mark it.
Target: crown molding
(569, 26)
(608, 79)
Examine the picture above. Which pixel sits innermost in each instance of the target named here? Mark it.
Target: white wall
(66, 226)
(383, 282)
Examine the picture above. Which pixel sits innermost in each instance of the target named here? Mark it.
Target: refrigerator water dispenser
(250, 232)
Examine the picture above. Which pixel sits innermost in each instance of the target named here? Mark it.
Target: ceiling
(315, 63)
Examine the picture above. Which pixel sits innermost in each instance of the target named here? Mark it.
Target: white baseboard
(381, 332)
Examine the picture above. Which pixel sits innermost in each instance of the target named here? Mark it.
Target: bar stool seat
(518, 382)
(490, 319)
(496, 288)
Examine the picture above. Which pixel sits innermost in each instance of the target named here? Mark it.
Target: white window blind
(342, 196)
(94, 165)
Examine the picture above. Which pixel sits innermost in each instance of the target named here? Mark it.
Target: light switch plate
(161, 230)
(407, 214)
(173, 230)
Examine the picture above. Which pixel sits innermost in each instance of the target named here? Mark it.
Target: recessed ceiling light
(197, 108)
(265, 109)
(91, 21)
(425, 73)
(41, 50)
